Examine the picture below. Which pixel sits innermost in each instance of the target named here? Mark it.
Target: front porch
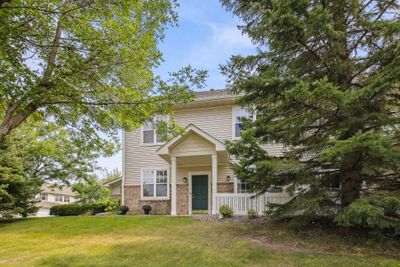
(201, 180)
(195, 159)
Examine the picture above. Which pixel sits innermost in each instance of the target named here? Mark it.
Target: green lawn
(177, 241)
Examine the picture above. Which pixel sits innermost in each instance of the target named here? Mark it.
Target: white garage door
(43, 212)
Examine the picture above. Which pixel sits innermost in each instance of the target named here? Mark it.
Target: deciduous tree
(86, 64)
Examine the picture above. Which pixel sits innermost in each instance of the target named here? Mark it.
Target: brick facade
(225, 187)
(182, 199)
(132, 200)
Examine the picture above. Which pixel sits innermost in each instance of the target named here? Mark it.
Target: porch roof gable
(190, 129)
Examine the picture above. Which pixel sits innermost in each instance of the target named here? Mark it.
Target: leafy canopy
(86, 64)
(39, 152)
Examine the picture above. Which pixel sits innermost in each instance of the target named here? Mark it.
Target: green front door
(199, 192)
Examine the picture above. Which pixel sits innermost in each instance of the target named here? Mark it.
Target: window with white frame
(149, 131)
(239, 114)
(66, 199)
(58, 197)
(242, 186)
(155, 183)
(43, 196)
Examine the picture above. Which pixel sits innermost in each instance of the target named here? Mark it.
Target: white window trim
(141, 183)
(236, 186)
(234, 121)
(155, 143)
(60, 195)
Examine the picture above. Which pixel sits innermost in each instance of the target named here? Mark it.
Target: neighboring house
(51, 196)
(115, 187)
(190, 172)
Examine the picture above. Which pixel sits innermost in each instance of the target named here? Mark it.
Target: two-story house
(51, 196)
(190, 172)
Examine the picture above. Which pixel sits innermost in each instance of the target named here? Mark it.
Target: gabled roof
(213, 94)
(54, 189)
(191, 128)
(113, 182)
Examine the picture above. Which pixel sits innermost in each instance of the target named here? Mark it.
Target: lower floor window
(242, 187)
(155, 183)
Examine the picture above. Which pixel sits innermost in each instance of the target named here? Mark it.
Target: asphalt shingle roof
(213, 94)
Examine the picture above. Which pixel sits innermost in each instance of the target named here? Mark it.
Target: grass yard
(179, 241)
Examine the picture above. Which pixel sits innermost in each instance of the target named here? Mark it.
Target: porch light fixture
(185, 180)
(228, 178)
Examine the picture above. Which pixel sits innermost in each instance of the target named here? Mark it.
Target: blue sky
(206, 37)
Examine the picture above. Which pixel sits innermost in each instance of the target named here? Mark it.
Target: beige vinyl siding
(116, 190)
(138, 156)
(193, 145)
(216, 121)
(223, 171)
(275, 150)
(184, 172)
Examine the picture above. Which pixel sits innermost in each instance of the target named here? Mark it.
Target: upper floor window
(238, 115)
(43, 196)
(149, 130)
(155, 183)
(66, 198)
(58, 197)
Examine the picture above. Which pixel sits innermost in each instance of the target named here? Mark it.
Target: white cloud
(229, 35)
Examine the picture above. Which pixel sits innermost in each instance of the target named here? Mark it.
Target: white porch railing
(241, 203)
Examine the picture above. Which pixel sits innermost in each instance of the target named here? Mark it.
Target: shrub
(75, 209)
(251, 214)
(69, 210)
(123, 210)
(146, 209)
(95, 208)
(225, 211)
(112, 205)
(375, 212)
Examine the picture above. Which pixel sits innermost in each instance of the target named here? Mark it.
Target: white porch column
(173, 185)
(214, 173)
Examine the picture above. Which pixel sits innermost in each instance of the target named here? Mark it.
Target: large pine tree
(325, 84)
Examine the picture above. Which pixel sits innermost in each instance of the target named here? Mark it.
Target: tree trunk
(10, 122)
(350, 177)
(15, 115)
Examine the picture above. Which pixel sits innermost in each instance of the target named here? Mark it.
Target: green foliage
(17, 190)
(326, 92)
(225, 211)
(377, 212)
(146, 208)
(112, 205)
(76, 209)
(37, 152)
(91, 191)
(115, 174)
(69, 210)
(251, 214)
(123, 210)
(87, 65)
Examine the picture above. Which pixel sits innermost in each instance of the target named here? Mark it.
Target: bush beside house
(225, 211)
(81, 209)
